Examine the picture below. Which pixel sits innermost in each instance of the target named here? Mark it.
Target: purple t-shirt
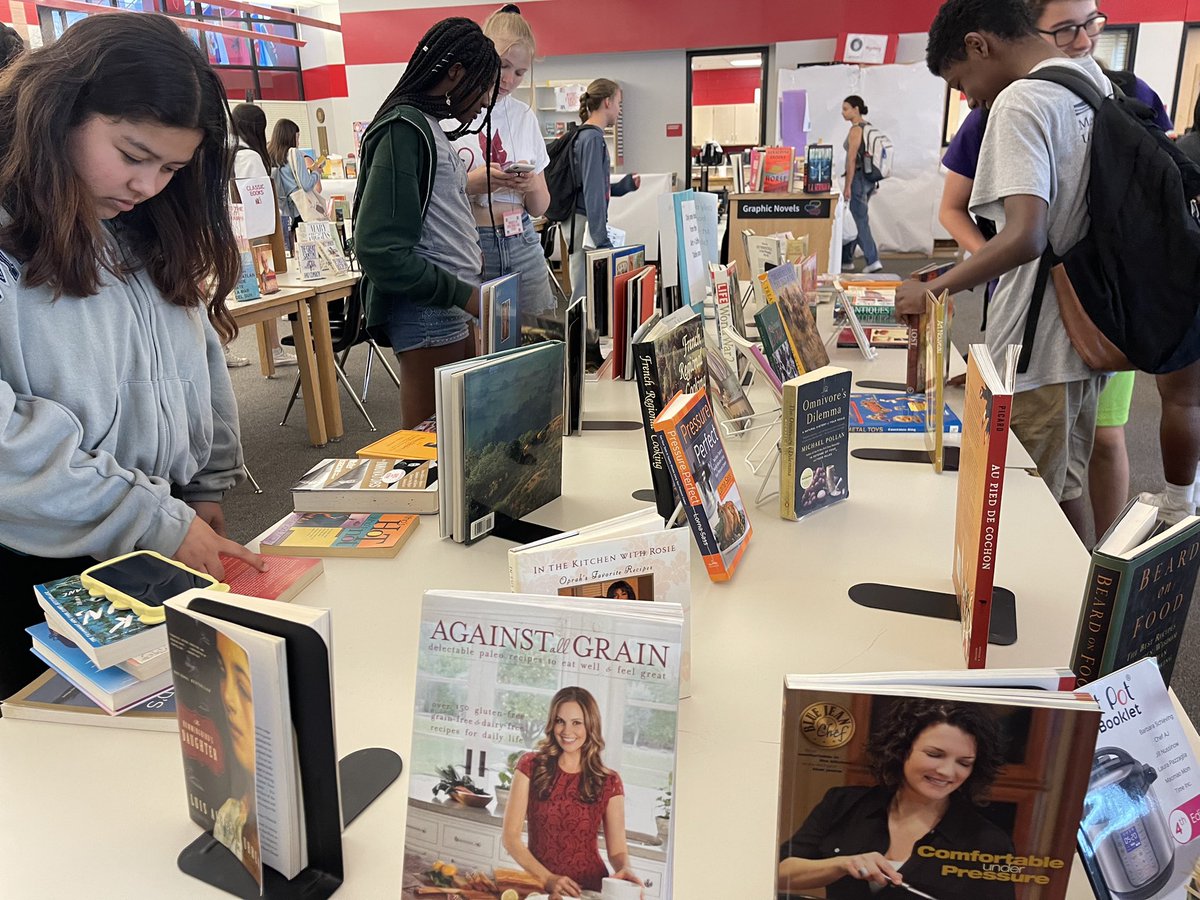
(962, 156)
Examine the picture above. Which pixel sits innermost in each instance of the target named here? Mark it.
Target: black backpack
(1137, 270)
(562, 180)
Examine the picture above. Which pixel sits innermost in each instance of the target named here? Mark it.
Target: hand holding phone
(516, 168)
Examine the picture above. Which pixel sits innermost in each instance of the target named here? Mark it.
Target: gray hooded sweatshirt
(106, 404)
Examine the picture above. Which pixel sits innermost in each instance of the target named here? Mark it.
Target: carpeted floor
(277, 456)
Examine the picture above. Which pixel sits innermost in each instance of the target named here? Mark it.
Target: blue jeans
(503, 255)
(860, 195)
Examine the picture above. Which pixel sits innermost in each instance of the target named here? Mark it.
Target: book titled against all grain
(497, 675)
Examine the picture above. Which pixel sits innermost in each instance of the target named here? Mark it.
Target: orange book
(777, 170)
(402, 445)
(704, 479)
(339, 534)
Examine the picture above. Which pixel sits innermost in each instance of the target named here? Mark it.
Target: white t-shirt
(516, 136)
(1038, 142)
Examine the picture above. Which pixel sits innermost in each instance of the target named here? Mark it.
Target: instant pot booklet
(1141, 821)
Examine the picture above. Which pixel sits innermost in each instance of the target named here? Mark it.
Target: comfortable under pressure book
(500, 434)
(668, 360)
(998, 773)
(980, 490)
(378, 535)
(1140, 836)
(1138, 593)
(368, 485)
(503, 684)
(896, 413)
(814, 446)
(703, 478)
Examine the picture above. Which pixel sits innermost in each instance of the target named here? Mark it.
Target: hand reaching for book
(202, 548)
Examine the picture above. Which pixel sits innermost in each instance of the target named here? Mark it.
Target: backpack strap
(1071, 79)
(1048, 262)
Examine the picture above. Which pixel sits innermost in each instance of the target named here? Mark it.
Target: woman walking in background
(290, 173)
(859, 188)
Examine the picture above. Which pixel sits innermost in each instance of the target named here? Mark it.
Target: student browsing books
(83, 476)
(415, 235)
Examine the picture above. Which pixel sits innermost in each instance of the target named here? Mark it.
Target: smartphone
(142, 581)
(517, 168)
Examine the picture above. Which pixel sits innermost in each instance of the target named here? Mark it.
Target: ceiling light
(746, 62)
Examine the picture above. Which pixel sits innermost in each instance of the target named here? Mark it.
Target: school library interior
(562, 450)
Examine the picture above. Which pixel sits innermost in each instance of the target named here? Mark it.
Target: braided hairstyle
(450, 41)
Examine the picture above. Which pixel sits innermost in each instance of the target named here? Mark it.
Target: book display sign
(810, 208)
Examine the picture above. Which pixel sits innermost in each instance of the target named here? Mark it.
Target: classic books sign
(800, 208)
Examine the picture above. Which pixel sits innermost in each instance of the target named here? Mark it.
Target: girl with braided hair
(414, 232)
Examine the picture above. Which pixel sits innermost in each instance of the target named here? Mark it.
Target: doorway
(726, 91)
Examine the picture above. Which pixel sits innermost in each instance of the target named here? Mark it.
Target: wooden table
(287, 301)
(320, 293)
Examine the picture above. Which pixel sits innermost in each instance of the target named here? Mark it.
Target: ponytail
(593, 98)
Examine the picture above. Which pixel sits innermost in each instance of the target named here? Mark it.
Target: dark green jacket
(395, 182)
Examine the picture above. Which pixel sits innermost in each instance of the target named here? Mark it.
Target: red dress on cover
(563, 830)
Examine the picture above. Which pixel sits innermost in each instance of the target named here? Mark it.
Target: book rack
(363, 775)
(1002, 629)
(891, 454)
(882, 385)
(760, 463)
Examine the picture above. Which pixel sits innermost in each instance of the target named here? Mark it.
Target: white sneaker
(281, 357)
(1168, 513)
(235, 362)
(874, 267)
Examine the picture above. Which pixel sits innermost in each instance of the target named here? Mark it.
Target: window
(1114, 47)
(259, 70)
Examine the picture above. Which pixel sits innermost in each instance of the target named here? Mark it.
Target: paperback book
(402, 445)
(818, 168)
(247, 284)
(980, 491)
(365, 535)
(896, 413)
(52, 698)
(500, 433)
(814, 446)
(784, 287)
(937, 361)
(1139, 837)
(883, 336)
(704, 479)
(776, 345)
(107, 636)
(368, 485)
(113, 689)
(853, 751)
(777, 170)
(1138, 593)
(528, 660)
(757, 360)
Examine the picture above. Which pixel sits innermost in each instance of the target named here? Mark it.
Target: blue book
(106, 634)
(113, 688)
(894, 413)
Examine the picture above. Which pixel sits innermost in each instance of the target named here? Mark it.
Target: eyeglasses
(1066, 36)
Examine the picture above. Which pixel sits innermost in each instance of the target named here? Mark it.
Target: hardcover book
(725, 299)
(896, 413)
(500, 431)
(784, 287)
(1003, 771)
(51, 698)
(980, 491)
(818, 169)
(368, 485)
(1138, 837)
(378, 535)
(702, 475)
(1138, 593)
(576, 366)
(525, 661)
(777, 170)
(776, 346)
(814, 446)
(670, 359)
(633, 303)
(937, 361)
(499, 313)
(402, 445)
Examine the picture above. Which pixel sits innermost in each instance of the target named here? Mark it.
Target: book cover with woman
(959, 794)
(556, 719)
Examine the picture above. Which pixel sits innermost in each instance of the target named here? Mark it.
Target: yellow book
(402, 445)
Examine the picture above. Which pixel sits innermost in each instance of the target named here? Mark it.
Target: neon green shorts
(1113, 408)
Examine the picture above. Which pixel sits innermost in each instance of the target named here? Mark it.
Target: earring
(447, 99)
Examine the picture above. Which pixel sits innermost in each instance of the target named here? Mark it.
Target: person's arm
(796, 874)
(388, 226)
(1022, 239)
(537, 194)
(594, 184)
(854, 142)
(614, 840)
(954, 213)
(626, 185)
(302, 176)
(514, 820)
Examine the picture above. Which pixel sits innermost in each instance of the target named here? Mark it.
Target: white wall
(1156, 60)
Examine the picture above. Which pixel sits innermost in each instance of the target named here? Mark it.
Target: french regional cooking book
(504, 684)
(368, 485)
(703, 478)
(1001, 767)
(1140, 836)
(814, 469)
(1138, 593)
(986, 414)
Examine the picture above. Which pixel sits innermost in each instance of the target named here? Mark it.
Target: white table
(786, 610)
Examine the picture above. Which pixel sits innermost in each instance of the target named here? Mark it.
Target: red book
(980, 489)
(622, 331)
(285, 577)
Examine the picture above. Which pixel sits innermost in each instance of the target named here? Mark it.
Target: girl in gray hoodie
(118, 426)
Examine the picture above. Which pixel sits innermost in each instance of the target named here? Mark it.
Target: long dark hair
(141, 68)
(11, 45)
(450, 41)
(250, 126)
(593, 772)
(284, 136)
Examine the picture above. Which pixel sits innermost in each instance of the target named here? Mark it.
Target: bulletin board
(908, 104)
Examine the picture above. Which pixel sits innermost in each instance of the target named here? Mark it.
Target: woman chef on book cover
(118, 425)
(934, 762)
(568, 794)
